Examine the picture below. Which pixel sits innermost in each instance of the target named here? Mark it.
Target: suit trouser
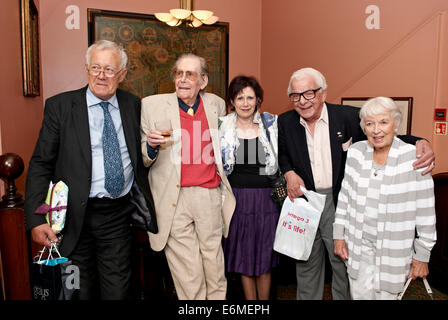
(311, 273)
(103, 252)
(193, 249)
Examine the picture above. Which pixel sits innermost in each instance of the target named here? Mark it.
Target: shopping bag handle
(304, 191)
(427, 287)
(316, 199)
(50, 256)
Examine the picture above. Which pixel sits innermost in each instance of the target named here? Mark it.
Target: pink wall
(270, 39)
(20, 116)
(407, 56)
(63, 50)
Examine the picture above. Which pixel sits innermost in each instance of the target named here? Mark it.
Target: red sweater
(198, 159)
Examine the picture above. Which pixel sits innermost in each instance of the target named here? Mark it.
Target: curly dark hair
(238, 84)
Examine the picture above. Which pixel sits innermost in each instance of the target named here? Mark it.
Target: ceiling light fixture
(192, 18)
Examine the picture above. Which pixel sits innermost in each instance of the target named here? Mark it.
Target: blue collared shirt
(185, 106)
(96, 123)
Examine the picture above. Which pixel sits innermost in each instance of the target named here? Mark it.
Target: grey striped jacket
(405, 205)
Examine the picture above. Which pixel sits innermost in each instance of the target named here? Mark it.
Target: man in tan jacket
(193, 199)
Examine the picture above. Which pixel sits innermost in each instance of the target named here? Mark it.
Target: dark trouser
(311, 273)
(103, 252)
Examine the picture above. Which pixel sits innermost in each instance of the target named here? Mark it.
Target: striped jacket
(405, 205)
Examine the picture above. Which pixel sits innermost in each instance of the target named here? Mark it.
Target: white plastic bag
(297, 225)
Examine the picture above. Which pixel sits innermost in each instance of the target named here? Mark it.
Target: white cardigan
(229, 140)
(405, 205)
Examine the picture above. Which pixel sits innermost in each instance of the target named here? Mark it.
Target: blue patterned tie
(113, 167)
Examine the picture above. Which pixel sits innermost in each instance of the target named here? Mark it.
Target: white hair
(379, 105)
(203, 64)
(108, 45)
(204, 71)
(306, 72)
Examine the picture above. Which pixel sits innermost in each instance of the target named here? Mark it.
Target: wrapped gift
(55, 206)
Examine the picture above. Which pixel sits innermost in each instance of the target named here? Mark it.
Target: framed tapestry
(153, 47)
(404, 103)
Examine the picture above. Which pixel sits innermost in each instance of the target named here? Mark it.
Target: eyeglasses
(308, 95)
(109, 72)
(190, 75)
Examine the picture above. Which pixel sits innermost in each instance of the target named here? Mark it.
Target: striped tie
(113, 167)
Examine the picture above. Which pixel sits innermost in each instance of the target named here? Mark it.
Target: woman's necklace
(377, 168)
(379, 161)
(375, 172)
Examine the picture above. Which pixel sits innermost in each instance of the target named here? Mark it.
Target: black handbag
(278, 181)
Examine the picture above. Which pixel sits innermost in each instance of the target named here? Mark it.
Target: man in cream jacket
(193, 199)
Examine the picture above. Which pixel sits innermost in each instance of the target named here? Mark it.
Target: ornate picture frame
(404, 103)
(153, 47)
(30, 48)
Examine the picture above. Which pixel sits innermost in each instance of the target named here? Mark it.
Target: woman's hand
(293, 183)
(340, 249)
(418, 269)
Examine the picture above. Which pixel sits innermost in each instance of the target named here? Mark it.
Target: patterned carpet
(415, 291)
(284, 282)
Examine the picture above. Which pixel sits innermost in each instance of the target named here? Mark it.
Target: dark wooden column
(13, 239)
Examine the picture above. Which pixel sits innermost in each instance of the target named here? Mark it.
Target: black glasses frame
(296, 96)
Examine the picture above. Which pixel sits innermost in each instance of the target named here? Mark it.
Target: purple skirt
(249, 247)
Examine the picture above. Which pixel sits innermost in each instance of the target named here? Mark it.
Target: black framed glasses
(307, 95)
(109, 72)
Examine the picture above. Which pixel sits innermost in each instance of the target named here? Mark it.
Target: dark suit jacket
(293, 149)
(63, 153)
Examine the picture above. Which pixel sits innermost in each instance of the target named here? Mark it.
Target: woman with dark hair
(248, 161)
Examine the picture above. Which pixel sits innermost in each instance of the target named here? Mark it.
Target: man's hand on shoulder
(425, 156)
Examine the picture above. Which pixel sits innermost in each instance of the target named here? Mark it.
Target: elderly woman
(248, 160)
(385, 218)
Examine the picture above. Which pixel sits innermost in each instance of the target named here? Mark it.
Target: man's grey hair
(379, 105)
(304, 73)
(108, 45)
(203, 65)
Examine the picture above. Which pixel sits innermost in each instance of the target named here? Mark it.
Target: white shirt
(319, 150)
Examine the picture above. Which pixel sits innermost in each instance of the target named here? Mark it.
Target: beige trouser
(193, 249)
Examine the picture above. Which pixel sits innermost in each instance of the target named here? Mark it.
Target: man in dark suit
(90, 140)
(313, 140)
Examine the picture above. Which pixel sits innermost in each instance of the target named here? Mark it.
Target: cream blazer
(164, 174)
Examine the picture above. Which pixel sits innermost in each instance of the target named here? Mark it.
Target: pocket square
(347, 144)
